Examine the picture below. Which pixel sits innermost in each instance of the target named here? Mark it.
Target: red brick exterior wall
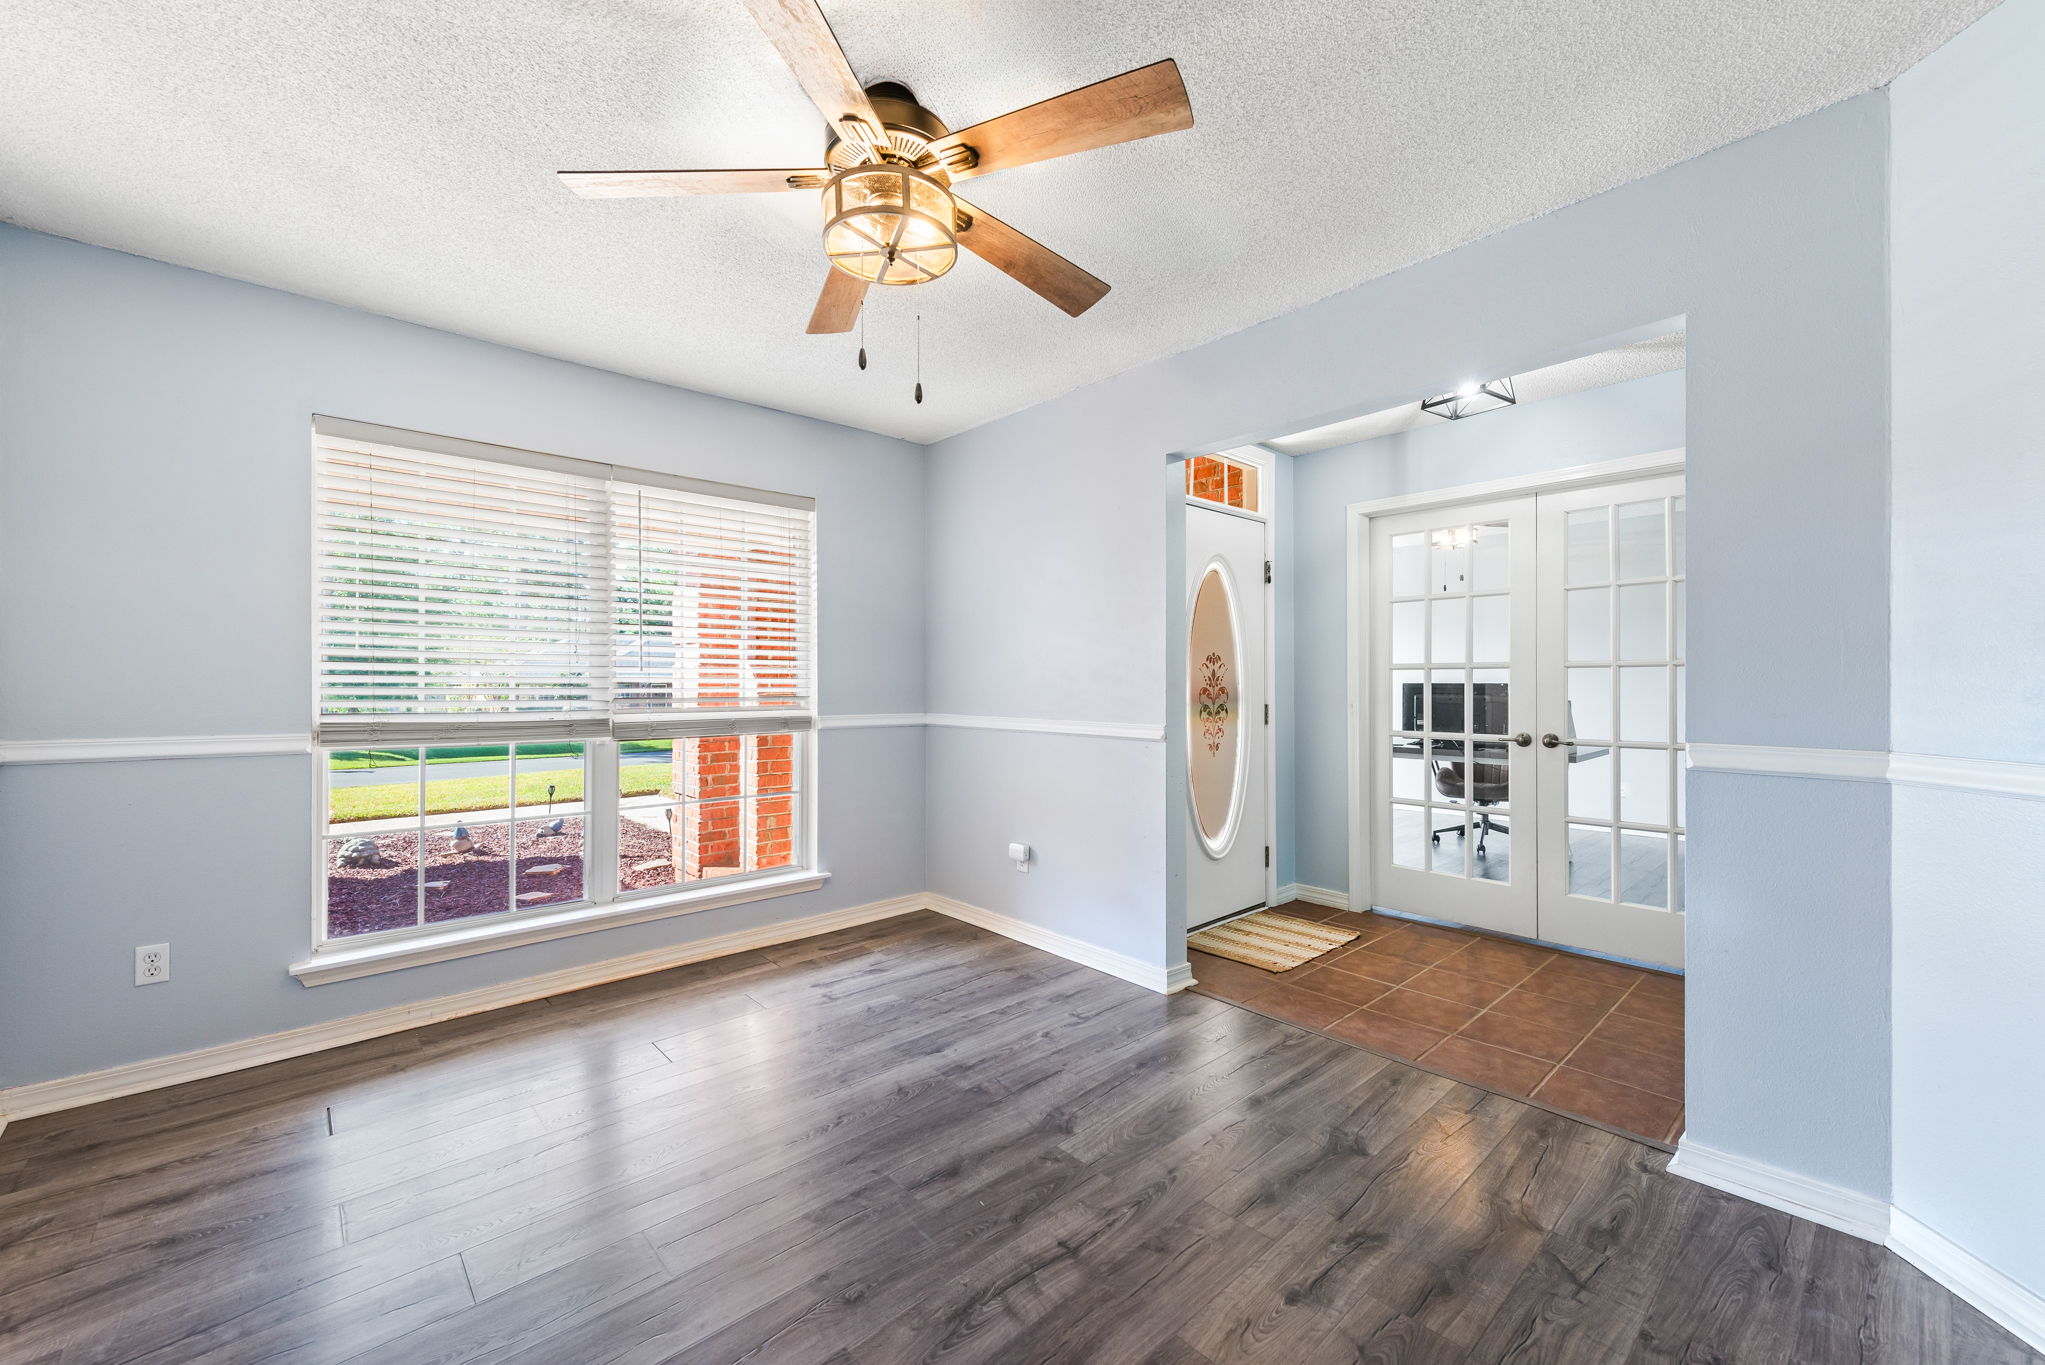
(720, 833)
(1213, 479)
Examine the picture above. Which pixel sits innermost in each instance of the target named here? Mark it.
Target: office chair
(1488, 783)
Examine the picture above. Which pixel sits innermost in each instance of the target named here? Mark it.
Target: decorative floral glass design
(1214, 720)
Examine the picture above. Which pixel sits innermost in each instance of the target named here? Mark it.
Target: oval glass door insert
(1214, 720)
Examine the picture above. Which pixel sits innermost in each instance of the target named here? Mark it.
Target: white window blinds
(714, 604)
(530, 595)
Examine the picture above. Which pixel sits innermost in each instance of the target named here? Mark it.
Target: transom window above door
(548, 688)
(1223, 481)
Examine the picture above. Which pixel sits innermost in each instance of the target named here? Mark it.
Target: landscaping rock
(360, 853)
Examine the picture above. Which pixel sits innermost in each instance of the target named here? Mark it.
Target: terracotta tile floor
(1588, 1037)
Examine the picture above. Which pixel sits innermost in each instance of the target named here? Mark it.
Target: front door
(1526, 716)
(1228, 838)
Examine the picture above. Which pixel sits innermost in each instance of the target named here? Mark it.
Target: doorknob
(1523, 739)
(1552, 740)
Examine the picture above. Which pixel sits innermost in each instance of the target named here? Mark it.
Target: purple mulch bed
(363, 900)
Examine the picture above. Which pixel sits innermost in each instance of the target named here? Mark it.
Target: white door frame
(1267, 513)
(1361, 891)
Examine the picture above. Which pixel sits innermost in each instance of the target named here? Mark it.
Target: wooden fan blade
(1029, 262)
(1136, 104)
(635, 184)
(838, 306)
(803, 37)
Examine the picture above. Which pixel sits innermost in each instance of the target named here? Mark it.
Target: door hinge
(1267, 713)
(1267, 571)
(1267, 855)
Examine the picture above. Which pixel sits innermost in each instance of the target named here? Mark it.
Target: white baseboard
(2020, 1310)
(1312, 895)
(1165, 980)
(69, 1092)
(1847, 1210)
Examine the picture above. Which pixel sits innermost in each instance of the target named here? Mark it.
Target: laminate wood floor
(907, 1142)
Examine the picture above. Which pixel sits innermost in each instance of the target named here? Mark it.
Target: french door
(1453, 649)
(1526, 716)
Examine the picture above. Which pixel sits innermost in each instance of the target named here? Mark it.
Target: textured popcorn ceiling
(396, 156)
(1656, 355)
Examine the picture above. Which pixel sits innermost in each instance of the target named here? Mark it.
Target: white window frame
(604, 904)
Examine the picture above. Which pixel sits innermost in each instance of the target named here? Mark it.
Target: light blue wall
(1775, 250)
(1632, 418)
(1969, 636)
(154, 581)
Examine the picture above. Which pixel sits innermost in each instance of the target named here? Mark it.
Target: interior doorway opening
(1460, 971)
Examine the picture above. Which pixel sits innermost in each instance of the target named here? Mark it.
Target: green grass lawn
(346, 759)
(447, 795)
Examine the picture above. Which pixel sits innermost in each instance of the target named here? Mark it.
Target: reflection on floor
(1642, 872)
(1587, 1037)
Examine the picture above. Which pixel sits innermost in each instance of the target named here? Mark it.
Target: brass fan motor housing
(910, 129)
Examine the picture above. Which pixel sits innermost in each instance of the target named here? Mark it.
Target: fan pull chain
(862, 336)
(919, 357)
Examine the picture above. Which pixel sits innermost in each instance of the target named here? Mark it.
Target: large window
(546, 685)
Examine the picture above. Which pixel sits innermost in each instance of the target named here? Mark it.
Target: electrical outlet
(152, 964)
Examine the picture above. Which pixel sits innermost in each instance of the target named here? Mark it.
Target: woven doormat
(1267, 939)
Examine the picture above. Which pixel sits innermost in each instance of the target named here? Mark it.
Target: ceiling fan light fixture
(888, 223)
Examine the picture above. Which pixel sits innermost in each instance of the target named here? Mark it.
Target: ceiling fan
(889, 164)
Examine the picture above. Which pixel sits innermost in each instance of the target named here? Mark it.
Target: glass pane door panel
(1449, 569)
(1590, 623)
(1643, 547)
(1409, 565)
(1449, 851)
(1409, 775)
(1590, 861)
(1644, 868)
(1449, 714)
(1644, 786)
(1491, 701)
(1589, 556)
(1590, 784)
(1642, 623)
(1590, 704)
(1409, 632)
(1409, 700)
(1490, 629)
(1409, 837)
(1644, 704)
(1448, 639)
(1491, 559)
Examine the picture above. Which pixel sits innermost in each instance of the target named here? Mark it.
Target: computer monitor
(1489, 698)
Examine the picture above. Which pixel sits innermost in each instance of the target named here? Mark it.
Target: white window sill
(344, 959)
